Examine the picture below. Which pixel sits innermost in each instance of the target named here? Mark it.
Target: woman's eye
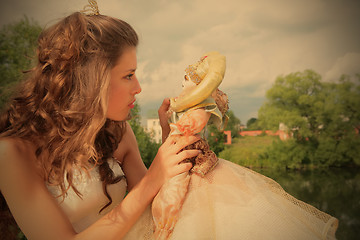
(129, 77)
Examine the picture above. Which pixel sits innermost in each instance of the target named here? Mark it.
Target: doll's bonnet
(207, 74)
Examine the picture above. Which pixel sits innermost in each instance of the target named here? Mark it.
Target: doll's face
(187, 83)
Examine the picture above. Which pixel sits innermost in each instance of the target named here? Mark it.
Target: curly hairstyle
(61, 106)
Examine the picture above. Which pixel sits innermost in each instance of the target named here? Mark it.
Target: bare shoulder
(129, 134)
(127, 144)
(129, 156)
(14, 152)
(11, 147)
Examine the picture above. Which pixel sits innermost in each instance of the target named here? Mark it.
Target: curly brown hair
(61, 106)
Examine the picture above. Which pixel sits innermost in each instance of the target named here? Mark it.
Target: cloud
(260, 39)
(348, 64)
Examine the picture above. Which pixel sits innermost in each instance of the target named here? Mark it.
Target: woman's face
(123, 86)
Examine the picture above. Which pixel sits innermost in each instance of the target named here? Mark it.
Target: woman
(67, 153)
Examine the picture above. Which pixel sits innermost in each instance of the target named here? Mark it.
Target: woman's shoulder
(13, 150)
(127, 143)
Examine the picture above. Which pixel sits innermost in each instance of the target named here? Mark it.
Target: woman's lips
(132, 104)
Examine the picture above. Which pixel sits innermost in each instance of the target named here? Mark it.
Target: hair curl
(61, 106)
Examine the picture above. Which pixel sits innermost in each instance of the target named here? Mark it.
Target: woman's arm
(143, 185)
(34, 209)
(38, 213)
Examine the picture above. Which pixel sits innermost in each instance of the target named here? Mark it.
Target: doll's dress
(83, 211)
(232, 202)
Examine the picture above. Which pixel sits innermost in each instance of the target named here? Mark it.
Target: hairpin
(91, 9)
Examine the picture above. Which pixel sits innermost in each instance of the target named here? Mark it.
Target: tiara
(91, 9)
(191, 71)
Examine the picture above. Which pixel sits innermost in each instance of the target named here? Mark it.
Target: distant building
(282, 132)
(153, 127)
(227, 137)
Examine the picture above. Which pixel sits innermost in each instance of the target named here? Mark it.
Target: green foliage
(233, 124)
(252, 124)
(147, 146)
(246, 151)
(291, 101)
(334, 152)
(215, 139)
(288, 154)
(17, 48)
(321, 116)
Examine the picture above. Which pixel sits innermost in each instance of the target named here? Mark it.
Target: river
(334, 191)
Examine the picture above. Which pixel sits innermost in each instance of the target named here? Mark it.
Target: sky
(261, 40)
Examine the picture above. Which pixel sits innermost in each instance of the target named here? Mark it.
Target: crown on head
(191, 71)
(91, 9)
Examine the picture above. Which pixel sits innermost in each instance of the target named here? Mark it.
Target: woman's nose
(137, 87)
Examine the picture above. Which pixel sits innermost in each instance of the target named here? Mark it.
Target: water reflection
(334, 191)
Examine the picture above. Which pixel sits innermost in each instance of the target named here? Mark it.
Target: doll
(200, 103)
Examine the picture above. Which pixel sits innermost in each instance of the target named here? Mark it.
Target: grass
(246, 150)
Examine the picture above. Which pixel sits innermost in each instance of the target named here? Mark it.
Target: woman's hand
(164, 116)
(167, 162)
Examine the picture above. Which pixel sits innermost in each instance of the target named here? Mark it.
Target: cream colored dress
(230, 202)
(233, 202)
(84, 211)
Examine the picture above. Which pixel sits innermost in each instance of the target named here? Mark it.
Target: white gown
(82, 212)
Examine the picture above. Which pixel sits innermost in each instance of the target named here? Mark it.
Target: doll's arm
(192, 122)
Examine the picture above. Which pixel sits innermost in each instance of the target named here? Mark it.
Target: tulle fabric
(233, 202)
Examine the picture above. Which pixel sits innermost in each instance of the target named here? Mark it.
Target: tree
(17, 48)
(216, 139)
(147, 146)
(233, 124)
(251, 124)
(321, 116)
(292, 101)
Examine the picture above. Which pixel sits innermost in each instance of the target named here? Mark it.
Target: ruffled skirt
(234, 202)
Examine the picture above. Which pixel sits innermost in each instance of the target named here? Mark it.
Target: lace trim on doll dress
(330, 222)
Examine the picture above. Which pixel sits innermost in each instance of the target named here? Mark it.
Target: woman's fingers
(164, 106)
(163, 116)
(171, 140)
(187, 154)
(184, 167)
(183, 142)
(162, 112)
